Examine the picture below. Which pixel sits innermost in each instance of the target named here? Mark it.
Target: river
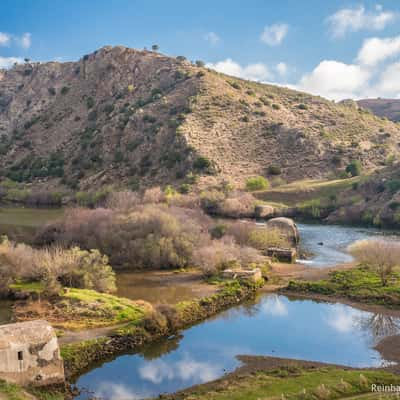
(272, 325)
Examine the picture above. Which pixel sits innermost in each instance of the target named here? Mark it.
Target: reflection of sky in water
(275, 326)
(335, 240)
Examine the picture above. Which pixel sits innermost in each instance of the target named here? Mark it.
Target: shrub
(354, 168)
(148, 236)
(200, 63)
(256, 183)
(64, 90)
(274, 170)
(381, 256)
(90, 102)
(302, 106)
(276, 106)
(202, 163)
(50, 266)
(52, 91)
(218, 231)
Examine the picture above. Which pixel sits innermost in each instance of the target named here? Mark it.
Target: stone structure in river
(30, 355)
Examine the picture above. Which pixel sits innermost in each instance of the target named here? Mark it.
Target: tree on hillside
(155, 47)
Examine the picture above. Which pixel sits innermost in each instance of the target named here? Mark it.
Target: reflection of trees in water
(379, 325)
(161, 348)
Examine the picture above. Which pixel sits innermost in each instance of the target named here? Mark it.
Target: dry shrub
(236, 205)
(185, 201)
(54, 266)
(259, 237)
(382, 256)
(223, 254)
(149, 236)
(153, 195)
(123, 201)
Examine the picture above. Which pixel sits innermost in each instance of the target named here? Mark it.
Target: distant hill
(389, 108)
(127, 117)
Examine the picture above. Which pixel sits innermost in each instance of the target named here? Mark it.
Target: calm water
(151, 287)
(274, 325)
(335, 240)
(20, 223)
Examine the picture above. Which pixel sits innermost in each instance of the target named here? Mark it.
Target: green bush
(90, 102)
(274, 170)
(276, 106)
(64, 90)
(354, 168)
(256, 183)
(202, 163)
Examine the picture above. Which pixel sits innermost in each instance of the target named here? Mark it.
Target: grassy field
(358, 284)
(293, 383)
(296, 193)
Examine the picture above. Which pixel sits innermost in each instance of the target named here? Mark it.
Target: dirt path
(87, 334)
(304, 272)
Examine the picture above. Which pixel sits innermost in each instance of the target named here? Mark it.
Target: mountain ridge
(138, 118)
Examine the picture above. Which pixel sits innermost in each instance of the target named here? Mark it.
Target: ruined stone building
(29, 354)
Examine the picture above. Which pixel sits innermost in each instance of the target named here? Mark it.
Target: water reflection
(273, 325)
(379, 325)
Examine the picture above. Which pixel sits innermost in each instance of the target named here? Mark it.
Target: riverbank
(167, 321)
(279, 378)
(358, 284)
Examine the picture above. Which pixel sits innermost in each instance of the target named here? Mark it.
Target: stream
(272, 325)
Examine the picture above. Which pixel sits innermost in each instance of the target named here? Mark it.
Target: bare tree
(380, 255)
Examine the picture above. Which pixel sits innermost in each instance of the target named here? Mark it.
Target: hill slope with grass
(389, 108)
(138, 118)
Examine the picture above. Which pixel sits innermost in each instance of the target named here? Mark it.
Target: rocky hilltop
(388, 108)
(136, 118)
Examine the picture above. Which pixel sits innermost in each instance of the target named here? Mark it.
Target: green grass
(296, 384)
(118, 309)
(359, 284)
(11, 391)
(31, 287)
(296, 193)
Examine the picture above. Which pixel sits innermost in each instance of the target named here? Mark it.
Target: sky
(337, 48)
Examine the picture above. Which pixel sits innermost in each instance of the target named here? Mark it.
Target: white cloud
(355, 19)
(8, 62)
(335, 80)
(273, 35)
(25, 40)
(342, 318)
(389, 82)
(256, 71)
(5, 39)
(275, 306)
(375, 50)
(185, 369)
(282, 68)
(117, 391)
(212, 38)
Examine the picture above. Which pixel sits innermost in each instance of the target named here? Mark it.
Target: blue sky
(334, 48)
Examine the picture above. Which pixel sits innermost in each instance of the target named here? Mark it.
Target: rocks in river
(288, 229)
(253, 275)
(285, 255)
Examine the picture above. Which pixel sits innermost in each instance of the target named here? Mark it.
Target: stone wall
(30, 355)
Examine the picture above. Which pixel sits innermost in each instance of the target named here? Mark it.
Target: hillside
(389, 108)
(137, 118)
